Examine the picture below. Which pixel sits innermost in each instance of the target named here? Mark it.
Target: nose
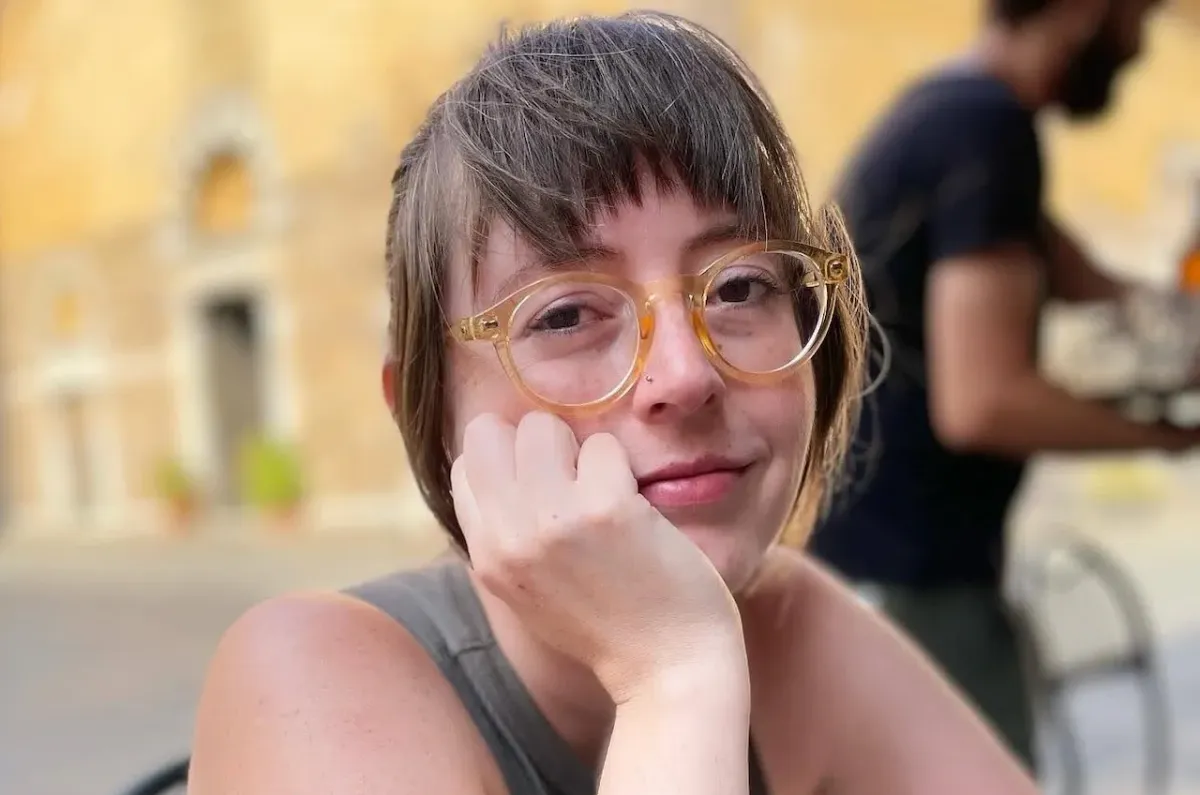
(679, 379)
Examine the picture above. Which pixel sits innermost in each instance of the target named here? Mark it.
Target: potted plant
(271, 480)
(177, 489)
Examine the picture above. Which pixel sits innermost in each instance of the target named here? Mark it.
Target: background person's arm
(986, 394)
(983, 294)
(1073, 276)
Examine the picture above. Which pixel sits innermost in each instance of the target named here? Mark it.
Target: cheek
(785, 415)
(479, 385)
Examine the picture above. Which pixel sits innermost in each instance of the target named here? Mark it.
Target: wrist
(717, 673)
(684, 729)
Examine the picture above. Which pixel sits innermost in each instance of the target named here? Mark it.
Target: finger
(465, 507)
(546, 452)
(488, 444)
(603, 466)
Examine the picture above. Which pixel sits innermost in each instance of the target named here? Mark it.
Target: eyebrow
(584, 258)
(590, 253)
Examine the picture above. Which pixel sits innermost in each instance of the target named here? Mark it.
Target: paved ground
(1107, 717)
(99, 682)
(105, 644)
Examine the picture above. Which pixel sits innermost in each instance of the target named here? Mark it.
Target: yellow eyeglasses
(577, 342)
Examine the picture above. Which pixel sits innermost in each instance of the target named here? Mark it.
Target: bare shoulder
(818, 608)
(879, 716)
(319, 692)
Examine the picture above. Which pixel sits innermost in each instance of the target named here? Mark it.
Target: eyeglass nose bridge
(689, 286)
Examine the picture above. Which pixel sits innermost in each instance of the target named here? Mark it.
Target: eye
(744, 285)
(563, 317)
(569, 309)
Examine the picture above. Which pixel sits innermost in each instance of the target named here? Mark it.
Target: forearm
(1083, 284)
(1073, 276)
(688, 732)
(1029, 415)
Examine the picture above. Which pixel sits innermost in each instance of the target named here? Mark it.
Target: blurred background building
(192, 206)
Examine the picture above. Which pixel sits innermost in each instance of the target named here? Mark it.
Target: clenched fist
(559, 532)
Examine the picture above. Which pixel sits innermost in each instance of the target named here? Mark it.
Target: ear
(390, 372)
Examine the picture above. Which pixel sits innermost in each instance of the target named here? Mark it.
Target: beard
(1086, 89)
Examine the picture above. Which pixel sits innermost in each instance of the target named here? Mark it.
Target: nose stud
(649, 379)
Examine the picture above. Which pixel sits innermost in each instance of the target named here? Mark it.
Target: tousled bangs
(554, 126)
(546, 138)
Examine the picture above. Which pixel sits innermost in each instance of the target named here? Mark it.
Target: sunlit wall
(169, 166)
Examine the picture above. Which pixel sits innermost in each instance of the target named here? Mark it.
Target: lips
(699, 482)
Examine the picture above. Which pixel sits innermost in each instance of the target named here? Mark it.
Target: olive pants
(972, 635)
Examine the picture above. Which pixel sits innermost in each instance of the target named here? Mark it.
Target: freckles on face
(664, 235)
(477, 381)
(683, 412)
(784, 417)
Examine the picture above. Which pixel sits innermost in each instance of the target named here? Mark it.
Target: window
(224, 197)
(66, 317)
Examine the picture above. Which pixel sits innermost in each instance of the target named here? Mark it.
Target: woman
(625, 355)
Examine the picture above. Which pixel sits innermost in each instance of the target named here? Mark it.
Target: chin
(733, 551)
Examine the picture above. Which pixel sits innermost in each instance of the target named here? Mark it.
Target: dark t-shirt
(953, 168)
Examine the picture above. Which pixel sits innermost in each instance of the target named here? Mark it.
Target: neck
(566, 692)
(1020, 57)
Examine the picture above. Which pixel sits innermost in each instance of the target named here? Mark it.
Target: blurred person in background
(625, 351)
(944, 201)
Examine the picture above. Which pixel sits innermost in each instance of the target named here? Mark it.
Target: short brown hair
(559, 121)
(1015, 12)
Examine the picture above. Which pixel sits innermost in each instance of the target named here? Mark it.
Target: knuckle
(601, 442)
(475, 426)
(509, 565)
(542, 429)
(511, 551)
(535, 422)
(601, 514)
(480, 430)
(555, 530)
(491, 575)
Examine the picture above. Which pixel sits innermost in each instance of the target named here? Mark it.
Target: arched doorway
(222, 224)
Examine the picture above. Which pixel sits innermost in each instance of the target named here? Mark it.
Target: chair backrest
(163, 780)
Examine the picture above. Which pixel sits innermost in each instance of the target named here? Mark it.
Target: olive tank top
(439, 608)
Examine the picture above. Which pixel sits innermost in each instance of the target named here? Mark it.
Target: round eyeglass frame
(494, 323)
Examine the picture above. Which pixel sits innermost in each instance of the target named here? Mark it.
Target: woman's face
(681, 412)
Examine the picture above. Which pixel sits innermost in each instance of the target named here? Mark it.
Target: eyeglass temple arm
(834, 270)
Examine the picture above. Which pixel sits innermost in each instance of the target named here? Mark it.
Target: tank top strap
(440, 609)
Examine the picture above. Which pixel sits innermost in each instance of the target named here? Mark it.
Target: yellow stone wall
(92, 148)
(97, 90)
(831, 66)
(98, 102)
